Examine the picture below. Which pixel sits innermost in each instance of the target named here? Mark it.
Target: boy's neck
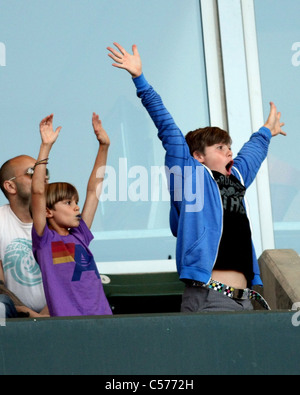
(61, 231)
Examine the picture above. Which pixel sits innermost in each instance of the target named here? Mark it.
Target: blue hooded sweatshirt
(196, 214)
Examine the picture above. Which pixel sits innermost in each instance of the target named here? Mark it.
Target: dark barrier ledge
(255, 342)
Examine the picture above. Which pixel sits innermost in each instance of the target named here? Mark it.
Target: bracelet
(42, 162)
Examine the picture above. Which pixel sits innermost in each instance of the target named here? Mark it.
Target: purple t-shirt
(71, 279)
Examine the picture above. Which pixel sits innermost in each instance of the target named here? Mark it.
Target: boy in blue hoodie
(214, 250)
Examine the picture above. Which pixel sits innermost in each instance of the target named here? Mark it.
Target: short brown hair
(199, 139)
(58, 191)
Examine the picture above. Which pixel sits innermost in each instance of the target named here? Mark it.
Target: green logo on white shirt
(20, 263)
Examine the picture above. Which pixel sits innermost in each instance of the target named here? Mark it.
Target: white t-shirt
(21, 272)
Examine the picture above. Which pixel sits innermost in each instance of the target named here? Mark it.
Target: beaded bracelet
(42, 162)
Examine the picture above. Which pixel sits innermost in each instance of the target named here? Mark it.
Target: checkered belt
(231, 292)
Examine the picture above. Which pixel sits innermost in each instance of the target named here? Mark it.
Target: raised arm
(48, 137)
(177, 151)
(254, 151)
(94, 187)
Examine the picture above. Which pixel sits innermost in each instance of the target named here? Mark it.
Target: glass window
(279, 55)
(56, 62)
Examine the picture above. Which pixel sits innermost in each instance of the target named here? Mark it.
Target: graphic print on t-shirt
(70, 252)
(232, 193)
(19, 261)
(62, 253)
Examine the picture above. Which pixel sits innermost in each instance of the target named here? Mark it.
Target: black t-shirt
(235, 250)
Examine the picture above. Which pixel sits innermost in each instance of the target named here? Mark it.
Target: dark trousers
(197, 299)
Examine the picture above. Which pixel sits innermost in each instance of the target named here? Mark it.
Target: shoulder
(5, 216)
(5, 209)
(41, 241)
(82, 232)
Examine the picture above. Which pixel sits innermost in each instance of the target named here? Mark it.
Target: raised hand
(273, 121)
(126, 61)
(100, 133)
(48, 135)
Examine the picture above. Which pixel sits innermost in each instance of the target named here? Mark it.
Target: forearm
(252, 155)
(30, 313)
(94, 187)
(38, 180)
(168, 132)
(98, 171)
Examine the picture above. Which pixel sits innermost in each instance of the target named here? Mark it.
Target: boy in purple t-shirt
(61, 235)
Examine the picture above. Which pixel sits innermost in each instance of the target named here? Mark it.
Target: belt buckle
(241, 294)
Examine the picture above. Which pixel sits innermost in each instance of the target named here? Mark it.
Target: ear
(10, 187)
(49, 213)
(198, 156)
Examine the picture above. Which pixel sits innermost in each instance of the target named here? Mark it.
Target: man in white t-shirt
(19, 273)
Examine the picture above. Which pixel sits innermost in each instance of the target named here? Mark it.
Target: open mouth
(228, 167)
(78, 216)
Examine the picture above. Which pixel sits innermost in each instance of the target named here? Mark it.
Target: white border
(137, 267)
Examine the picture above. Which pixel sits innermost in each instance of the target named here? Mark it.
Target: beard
(24, 194)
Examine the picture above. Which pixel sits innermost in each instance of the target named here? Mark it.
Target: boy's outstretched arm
(39, 177)
(177, 150)
(273, 122)
(94, 187)
(131, 63)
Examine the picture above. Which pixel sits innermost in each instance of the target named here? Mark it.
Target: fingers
(115, 55)
(46, 126)
(281, 131)
(278, 115)
(95, 118)
(135, 50)
(116, 59)
(47, 120)
(120, 48)
(274, 121)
